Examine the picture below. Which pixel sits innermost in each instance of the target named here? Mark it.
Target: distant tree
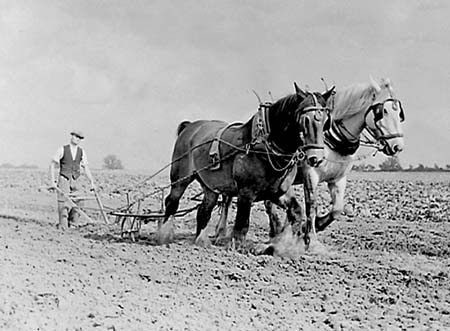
(420, 167)
(358, 167)
(363, 167)
(423, 168)
(111, 162)
(391, 164)
(22, 166)
(7, 165)
(28, 166)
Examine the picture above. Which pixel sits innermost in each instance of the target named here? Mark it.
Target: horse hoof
(237, 244)
(164, 238)
(205, 243)
(264, 249)
(165, 232)
(316, 247)
(220, 240)
(238, 238)
(202, 239)
(287, 244)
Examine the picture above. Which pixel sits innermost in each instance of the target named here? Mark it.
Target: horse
(361, 110)
(254, 161)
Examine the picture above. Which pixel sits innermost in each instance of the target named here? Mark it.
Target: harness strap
(261, 124)
(214, 152)
(312, 146)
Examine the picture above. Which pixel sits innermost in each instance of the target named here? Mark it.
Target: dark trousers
(68, 215)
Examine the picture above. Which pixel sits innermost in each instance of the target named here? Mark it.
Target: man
(70, 158)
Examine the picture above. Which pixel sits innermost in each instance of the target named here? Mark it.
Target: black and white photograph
(190, 165)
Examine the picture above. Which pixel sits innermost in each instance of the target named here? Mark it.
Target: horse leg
(274, 220)
(294, 216)
(203, 216)
(310, 189)
(221, 227)
(241, 224)
(287, 240)
(293, 212)
(337, 190)
(165, 233)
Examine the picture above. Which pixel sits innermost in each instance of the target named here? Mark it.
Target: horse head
(384, 118)
(312, 117)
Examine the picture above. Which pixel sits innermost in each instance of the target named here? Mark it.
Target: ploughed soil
(386, 265)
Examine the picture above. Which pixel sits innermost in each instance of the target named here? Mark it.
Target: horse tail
(182, 126)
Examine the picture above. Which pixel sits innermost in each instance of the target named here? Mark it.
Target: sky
(127, 73)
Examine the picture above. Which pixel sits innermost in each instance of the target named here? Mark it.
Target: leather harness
(260, 132)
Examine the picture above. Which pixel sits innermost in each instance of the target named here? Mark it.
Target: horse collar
(336, 140)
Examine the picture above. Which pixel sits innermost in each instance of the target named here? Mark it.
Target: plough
(72, 199)
(133, 215)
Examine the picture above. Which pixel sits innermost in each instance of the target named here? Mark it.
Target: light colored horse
(371, 107)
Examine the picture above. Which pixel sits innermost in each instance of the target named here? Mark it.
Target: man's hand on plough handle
(53, 187)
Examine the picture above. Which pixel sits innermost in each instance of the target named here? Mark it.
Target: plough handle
(100, 205)
(72, 203)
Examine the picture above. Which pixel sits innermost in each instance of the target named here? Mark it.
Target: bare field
(387, 267)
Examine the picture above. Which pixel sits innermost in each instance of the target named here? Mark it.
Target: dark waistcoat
(70, 168)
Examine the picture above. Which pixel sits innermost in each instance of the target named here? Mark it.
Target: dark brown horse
(251, 166)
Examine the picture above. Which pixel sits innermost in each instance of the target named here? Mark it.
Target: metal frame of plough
(131, 216)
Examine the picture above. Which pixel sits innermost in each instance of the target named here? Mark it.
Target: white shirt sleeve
(58, 155)
(84, 161)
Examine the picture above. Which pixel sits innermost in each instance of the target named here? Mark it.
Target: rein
(271, 149)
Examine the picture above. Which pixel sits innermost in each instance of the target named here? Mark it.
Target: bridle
(377, 138)
(317, 108)
(271, 148)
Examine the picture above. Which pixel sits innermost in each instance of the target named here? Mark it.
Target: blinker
(397, 105)
(379, 108)
(402, 113)
(378, 112)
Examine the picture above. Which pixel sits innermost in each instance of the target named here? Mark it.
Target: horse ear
(328, 93)
(374, 84)
(386, 82)
(299, 91)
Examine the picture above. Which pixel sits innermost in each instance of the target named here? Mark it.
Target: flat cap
(77, 133)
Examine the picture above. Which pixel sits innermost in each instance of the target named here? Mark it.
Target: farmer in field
(70, 159)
